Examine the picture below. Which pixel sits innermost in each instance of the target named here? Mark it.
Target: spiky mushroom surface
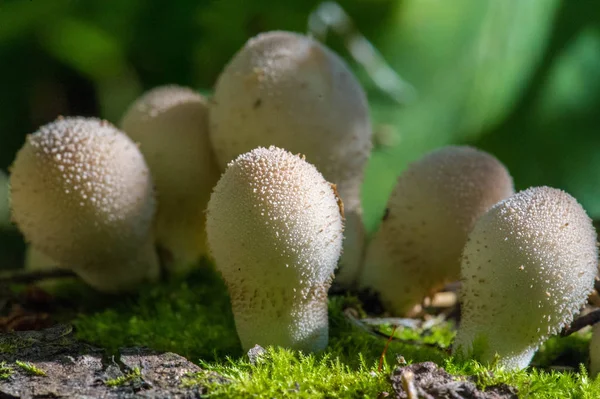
(81, 194)
(171, 124)
(288, 90)
(275, 231)
(527, 269)
(432, 209)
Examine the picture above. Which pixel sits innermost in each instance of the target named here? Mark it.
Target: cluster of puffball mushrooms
(219, 178)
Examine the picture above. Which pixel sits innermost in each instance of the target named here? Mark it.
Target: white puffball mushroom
(527, 269)
(595, 351)
(171, 124)
(36, 261)
(81, 194)
(432, 209)
(289, 90)
(275, 231)
(4, 202)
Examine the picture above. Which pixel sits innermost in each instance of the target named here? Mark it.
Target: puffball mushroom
(432, 209)
(171, 125)
(4, 207)
(81, 194)
(288, 90)
(527, 268)
(595, 351)
(275, 231)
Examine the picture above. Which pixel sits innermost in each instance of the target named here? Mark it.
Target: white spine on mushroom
(275, 231)
(288, 90)
(171, 125)
(595, 351)
(82, 194)
(527, 269)
(432, 209)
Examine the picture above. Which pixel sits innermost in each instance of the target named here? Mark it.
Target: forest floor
(178, 339)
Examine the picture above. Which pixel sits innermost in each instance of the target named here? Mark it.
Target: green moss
(192, 317)
(532, 382)
(5, 371)
(133, 375)
(30, 368)
(284, 373)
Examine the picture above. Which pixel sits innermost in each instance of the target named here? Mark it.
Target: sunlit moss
(30, 368)
(5, 371)
(192, 317)
(133, 375)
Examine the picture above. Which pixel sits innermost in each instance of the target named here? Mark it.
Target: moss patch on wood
(192, 317)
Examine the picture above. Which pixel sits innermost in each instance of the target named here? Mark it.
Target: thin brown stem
(28, 277)
(581, 322)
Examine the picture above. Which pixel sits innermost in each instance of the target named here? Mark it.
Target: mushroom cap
(81, 193)
(528, 267)
(275, 231)
(432, 209)
(171, 124)
(288, 90)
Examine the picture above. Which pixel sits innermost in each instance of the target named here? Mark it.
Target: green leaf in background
(469, 61)
(20, 17)
(98, 55)
(557, 143)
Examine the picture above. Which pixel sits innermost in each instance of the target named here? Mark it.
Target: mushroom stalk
(595, 351)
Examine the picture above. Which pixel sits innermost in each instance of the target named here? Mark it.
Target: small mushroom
(275, 231)
(431, 211)
(288, 90)
(527, 269)
(4, 207)
(595, 351)
(171, 124)
(81, 194)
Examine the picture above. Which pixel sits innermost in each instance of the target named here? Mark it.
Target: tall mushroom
(595, 351)
(527, 269)
(275, 230)
(81, 194)
(4, 207)
(171, 125)
(288, 90)
(431, 211)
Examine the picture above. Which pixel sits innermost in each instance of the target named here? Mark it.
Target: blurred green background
(518, 78)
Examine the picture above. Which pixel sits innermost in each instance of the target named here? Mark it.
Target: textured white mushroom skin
(171, 124)
(432, 209)
(595, 351)
(527, 269)
(288, 90)
(81, 194)
(275, 231)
